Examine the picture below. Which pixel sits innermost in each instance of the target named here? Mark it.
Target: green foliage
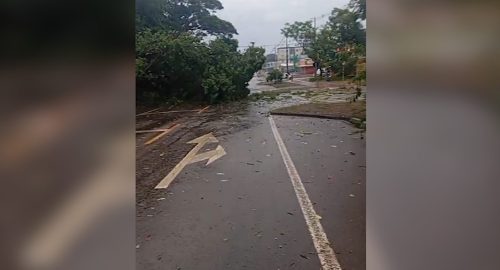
(361, 76)
(340, 43)
(359, 8)
(174, 63)
(229, 71)
(323, 49)
(346, 28)
(218, 79)
(275, 76)
(183, 67)
(302, 32)
(181, 16)
(170, 66)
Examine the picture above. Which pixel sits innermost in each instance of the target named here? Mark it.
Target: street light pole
(286, 45)
(317, 54)
(343, 64)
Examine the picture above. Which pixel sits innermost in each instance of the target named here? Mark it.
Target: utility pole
(317, 55)
(343, 64)
(286, 45)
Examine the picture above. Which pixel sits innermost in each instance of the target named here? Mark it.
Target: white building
(302, 64)
(291, 52)
(269, 66)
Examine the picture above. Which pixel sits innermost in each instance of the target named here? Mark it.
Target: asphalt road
(241, 211)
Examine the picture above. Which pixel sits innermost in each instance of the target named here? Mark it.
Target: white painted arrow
(193, 157)
(210, 155)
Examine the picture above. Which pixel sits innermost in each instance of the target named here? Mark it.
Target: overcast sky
(261, 20)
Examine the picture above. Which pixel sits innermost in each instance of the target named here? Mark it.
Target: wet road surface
(241, 211)
(256, 85)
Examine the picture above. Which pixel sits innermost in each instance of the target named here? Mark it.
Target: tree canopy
(180, 16)
(344, 25)
(173, 62)
(359, 8)
(302, 32)
(339, 43)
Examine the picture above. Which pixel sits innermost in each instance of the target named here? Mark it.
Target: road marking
(325, 251)
(169, 112)
(155, 130)
(177, 111)
(148, 112)
(150, 131)
(210, 155)
(204, 109)
(168, 130)
(193, 157)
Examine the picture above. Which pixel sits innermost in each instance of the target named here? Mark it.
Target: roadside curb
(354, 121)
(312, 115)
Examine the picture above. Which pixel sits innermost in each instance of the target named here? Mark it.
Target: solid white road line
(325, 252)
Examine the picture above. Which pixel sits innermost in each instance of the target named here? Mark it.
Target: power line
(270, 45)
(275, 46)
(322, 16)
(263, 45)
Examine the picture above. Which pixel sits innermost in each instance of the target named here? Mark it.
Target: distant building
(272, 57)
(298, 61)
(269, 66)
(291, 52)
(271, 62)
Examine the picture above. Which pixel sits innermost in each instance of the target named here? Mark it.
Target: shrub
(185, 68)
(275, 76)
(170, 66)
